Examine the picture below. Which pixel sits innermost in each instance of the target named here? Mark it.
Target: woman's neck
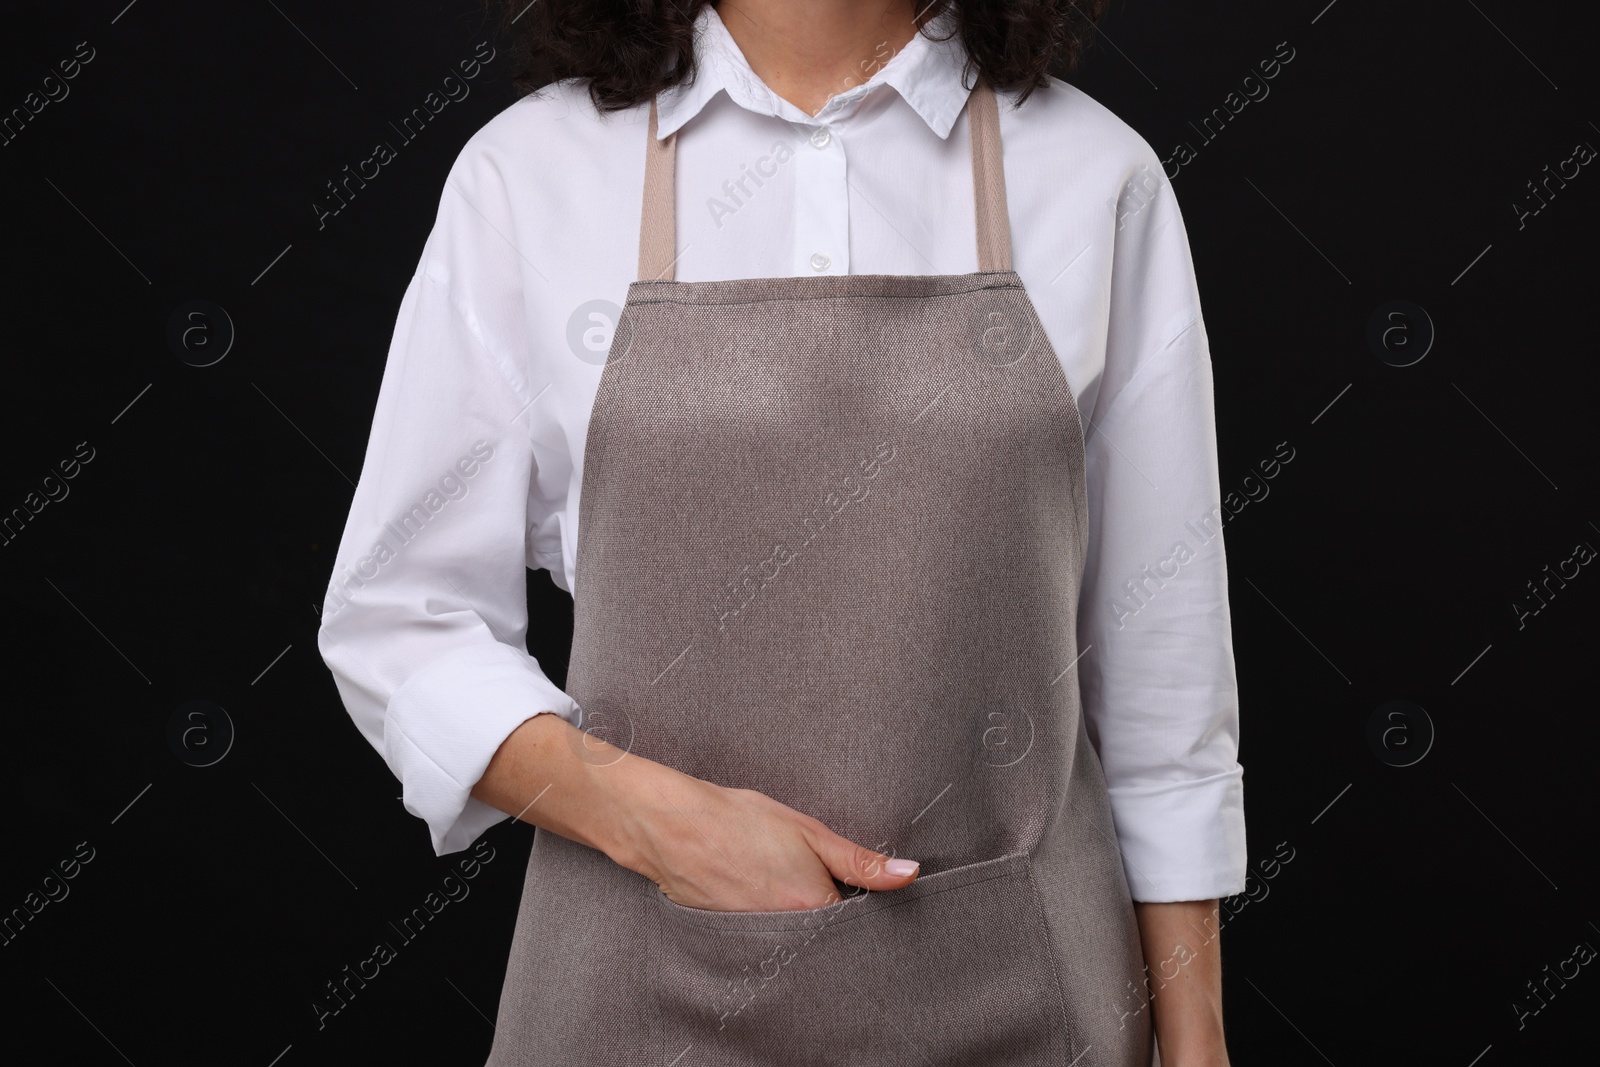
(808, 51)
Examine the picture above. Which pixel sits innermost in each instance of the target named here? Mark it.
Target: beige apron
(830, 545)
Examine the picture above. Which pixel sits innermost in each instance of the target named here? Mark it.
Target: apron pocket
(955, 968)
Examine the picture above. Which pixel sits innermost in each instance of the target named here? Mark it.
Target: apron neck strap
(658, 254)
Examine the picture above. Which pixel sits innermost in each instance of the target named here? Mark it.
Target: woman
(900, 725)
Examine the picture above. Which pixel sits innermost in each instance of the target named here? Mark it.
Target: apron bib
(831, 539)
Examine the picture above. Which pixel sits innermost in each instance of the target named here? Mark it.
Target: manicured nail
(901, 867)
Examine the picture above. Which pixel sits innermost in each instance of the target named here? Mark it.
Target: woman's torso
(557, 190)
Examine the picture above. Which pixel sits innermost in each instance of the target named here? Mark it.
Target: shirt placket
(822, 200)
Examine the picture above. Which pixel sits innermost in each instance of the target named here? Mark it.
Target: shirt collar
(927, 74)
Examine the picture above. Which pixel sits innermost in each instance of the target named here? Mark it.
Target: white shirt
(475, 460)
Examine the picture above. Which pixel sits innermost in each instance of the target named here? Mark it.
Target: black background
(190, 557)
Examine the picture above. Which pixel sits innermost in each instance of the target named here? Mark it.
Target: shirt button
(819, 262)
(821, 136)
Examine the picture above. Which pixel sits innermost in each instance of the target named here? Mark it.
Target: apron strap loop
(658, 253)
(989, 179)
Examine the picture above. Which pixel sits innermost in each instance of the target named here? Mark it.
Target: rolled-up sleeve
(425, 620)
(1158, 682)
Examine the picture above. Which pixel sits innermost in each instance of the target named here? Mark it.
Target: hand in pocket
(719, 849)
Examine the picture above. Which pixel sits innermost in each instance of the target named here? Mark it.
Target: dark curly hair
(628, 50)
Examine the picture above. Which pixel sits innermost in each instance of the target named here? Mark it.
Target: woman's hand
(723, 849)
(705, 846)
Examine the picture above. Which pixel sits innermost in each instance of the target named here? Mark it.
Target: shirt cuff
(445, 723)
(1183, 840)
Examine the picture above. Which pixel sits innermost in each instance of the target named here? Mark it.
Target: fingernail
(901, 867)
